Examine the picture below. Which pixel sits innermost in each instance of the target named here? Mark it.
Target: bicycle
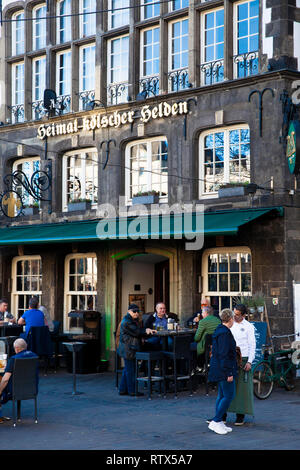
(277, 367)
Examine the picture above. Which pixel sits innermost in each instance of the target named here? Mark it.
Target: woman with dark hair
(223, 369)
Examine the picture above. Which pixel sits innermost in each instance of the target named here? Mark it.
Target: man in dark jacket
(130, 337)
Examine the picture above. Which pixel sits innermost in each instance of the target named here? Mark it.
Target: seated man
(20, 347)
(159, 319)
(32, 317)
(4, 314)
(207, 325)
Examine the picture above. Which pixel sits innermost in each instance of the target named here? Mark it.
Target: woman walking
(223, 369)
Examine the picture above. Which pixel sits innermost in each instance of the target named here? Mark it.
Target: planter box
(152, 199)
(232, 192)
(31, 210)
(79, 206)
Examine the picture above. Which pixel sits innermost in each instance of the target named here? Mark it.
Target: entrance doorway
(143, 280)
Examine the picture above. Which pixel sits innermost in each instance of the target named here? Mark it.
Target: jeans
(226, 393)
(127, 384)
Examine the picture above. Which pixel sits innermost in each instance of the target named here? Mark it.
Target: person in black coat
(130, 342)
(223, 369)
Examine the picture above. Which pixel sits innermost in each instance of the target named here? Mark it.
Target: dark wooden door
(162, 283)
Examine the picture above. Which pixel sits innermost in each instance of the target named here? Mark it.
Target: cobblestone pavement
(101, 419)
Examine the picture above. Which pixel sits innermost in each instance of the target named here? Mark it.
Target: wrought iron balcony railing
(179, 79)
(212, 72)
(246, 64)
(86, 99)
(38, 110)
(117, 93)
(17, 113)
(64, 102)
(149, 86)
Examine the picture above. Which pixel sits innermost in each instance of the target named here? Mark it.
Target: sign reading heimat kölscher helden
(115, 119)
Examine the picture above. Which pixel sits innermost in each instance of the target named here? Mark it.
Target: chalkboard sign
(261, 338)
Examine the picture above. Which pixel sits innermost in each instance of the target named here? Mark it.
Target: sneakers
(218, 428)
(239, 420)
(4, 418)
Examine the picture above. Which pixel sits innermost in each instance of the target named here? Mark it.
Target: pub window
(18, 36)
(227, 274)
(27, 281)
(224, 158)
(80, 286)
(87, 19)
(28, 166)
(147, 167)
(39, 26)
(80, 177)
(246, 38)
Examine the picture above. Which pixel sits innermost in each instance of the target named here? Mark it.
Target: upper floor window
(150, 9)
(119, 14)
(224, 158)
(87, 75)
(150, 61)
(39, 26)
(38, 86)
(117, 70)
(18, 92)
(212, 54)
(178, 55)
(80, 176)
(64, 24)
(87, 19)
(147, 167)
(18, 42)
(178, 4)
(63, 79)
(246, 41)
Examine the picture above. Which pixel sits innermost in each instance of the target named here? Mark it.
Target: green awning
(225, 222)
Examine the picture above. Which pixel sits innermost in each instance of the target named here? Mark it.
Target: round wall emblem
(11, 204)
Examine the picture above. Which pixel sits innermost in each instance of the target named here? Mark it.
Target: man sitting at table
(4, 314)
(20, 347)
(160, 319)
(32, 317)
(206, 326)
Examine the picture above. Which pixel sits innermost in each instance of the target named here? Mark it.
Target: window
(246, 45)
(87, 20)
(80, 286)
(117, 70)
(151, 10)
(87, 75)
(178, 4)
(224, 157)
(18, 92)
(39, 26)
(147, 167)
(27, 281)
(28, 166)
(178, 56)
(227, 274)
(18, 43)
(80, 176)
(64, 26)
(212, 67)
(119, 14)
(63, 79)
(150, 62)
(38, 86)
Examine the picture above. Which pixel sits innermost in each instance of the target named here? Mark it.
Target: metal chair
(39, 342)
(150, 357)
(24, 385)
(181, 351)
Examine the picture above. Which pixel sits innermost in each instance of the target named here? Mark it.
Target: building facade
(175, 99)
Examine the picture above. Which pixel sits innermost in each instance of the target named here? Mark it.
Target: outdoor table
(10, 330)
(165, 334)
(74, 347)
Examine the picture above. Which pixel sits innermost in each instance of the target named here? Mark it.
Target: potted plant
(249, 302)
(79, 204)
(259, 302)
(146, 197)
(233, 189)
(31, 209)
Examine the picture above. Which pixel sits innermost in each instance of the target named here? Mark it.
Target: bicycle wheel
(289, 380)
(262, 380)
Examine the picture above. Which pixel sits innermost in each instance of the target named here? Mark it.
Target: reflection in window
(150, 9)
(213, 47)
(119, 16)
(28, 167)
(178, 4)
(247, 38)
(179, 52)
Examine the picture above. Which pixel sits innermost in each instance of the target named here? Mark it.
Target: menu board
(261, 338)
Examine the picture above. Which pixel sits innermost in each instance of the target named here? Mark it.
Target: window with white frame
(178, 54)
(227, 274)
(63, 21)
(87, 18)
(119, 14)
(27, 167)
(150, 9)
(80, 286)
(117, 70)
(39, 26)
(26, 282)
(17, 92)
(178, 4)
(80, 176)
(224, 157)
(246, 38)
(87, 75)
(212, 54)
(18, 33)
(63, 79)
(150, 42)
(38, 86)
(147, 167)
